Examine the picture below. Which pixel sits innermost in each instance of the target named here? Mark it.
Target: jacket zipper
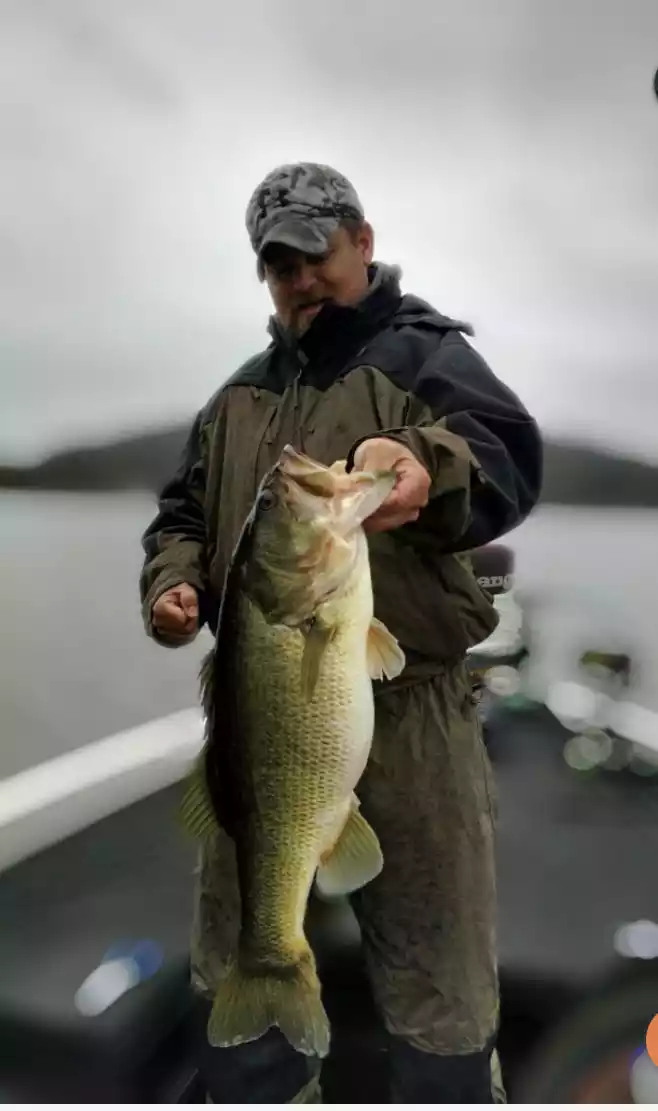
(260, 436)
(296, 410)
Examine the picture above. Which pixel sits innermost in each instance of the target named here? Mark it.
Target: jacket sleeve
(175, 542)
(480, 446)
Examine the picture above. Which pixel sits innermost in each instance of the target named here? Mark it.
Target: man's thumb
(189, 600)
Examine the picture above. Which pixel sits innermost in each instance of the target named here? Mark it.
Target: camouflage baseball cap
(301, 204)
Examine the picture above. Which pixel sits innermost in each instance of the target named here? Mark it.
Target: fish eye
(267, 500)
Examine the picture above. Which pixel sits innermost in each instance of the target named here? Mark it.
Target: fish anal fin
(355, 859)
(385, 657)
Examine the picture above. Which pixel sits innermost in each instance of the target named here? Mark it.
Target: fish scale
(290, 718)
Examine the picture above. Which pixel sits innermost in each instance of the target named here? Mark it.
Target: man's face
(300, 284)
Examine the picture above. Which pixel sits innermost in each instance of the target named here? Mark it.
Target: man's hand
(176, 612)
(411, 492)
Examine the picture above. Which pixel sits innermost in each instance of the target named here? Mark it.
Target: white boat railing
(46, 804)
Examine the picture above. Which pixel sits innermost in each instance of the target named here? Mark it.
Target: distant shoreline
(575, 474)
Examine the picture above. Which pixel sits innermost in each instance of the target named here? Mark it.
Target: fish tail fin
(249, 1002)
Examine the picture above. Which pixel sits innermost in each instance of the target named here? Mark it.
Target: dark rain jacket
(389, 366)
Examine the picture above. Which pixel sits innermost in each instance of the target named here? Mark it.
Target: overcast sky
(506, 152)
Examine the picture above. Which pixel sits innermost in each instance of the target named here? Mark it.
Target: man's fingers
(169, 606)
(411, 490)
(406, 497)
(386, 521)
(179, 627)
(177, 611)
(189, 600)
(377, 453)
(169, 618)
(402, 506)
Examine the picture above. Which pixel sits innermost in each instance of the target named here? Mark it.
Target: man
(355, 370)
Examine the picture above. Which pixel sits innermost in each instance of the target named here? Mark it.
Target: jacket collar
(339, 330)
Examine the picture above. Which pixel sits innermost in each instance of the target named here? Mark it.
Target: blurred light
(643, 763)
(643, 1080)
(572, 704)
(147, 954)
(619, 757)
(503, 681)
(507, 637)
(588, 750)
(124, 966)
(105, 985)
(635, 722)
(637, 940)
(598, 672)
(576, 707)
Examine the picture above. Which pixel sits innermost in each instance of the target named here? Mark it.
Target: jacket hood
(383, 300)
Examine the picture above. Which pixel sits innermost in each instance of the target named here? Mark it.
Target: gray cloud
(507, 154)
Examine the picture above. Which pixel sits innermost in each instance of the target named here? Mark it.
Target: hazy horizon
(116, 436)
(507, 156)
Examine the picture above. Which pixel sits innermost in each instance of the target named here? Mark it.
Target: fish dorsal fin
(355, 859)
(317, 638)
(385, 657)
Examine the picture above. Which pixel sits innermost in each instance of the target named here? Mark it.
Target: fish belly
(305, 758)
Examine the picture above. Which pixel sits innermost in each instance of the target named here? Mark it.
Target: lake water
(75, 664)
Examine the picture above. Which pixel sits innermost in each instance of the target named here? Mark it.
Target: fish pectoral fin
(385, 657)
(248, 1004)
(354, 861)
(317, 638)
(196, 810)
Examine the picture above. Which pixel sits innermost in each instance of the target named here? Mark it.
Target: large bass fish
(289, 722)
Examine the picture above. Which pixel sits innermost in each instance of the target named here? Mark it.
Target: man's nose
(303, 277)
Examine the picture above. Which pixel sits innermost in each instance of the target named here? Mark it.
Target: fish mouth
(321, 480)
(315, 539)
(304, 472)
(349, 497)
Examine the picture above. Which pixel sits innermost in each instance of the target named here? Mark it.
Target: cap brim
(308, 236)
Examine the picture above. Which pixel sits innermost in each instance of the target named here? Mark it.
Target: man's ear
(366, 242)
